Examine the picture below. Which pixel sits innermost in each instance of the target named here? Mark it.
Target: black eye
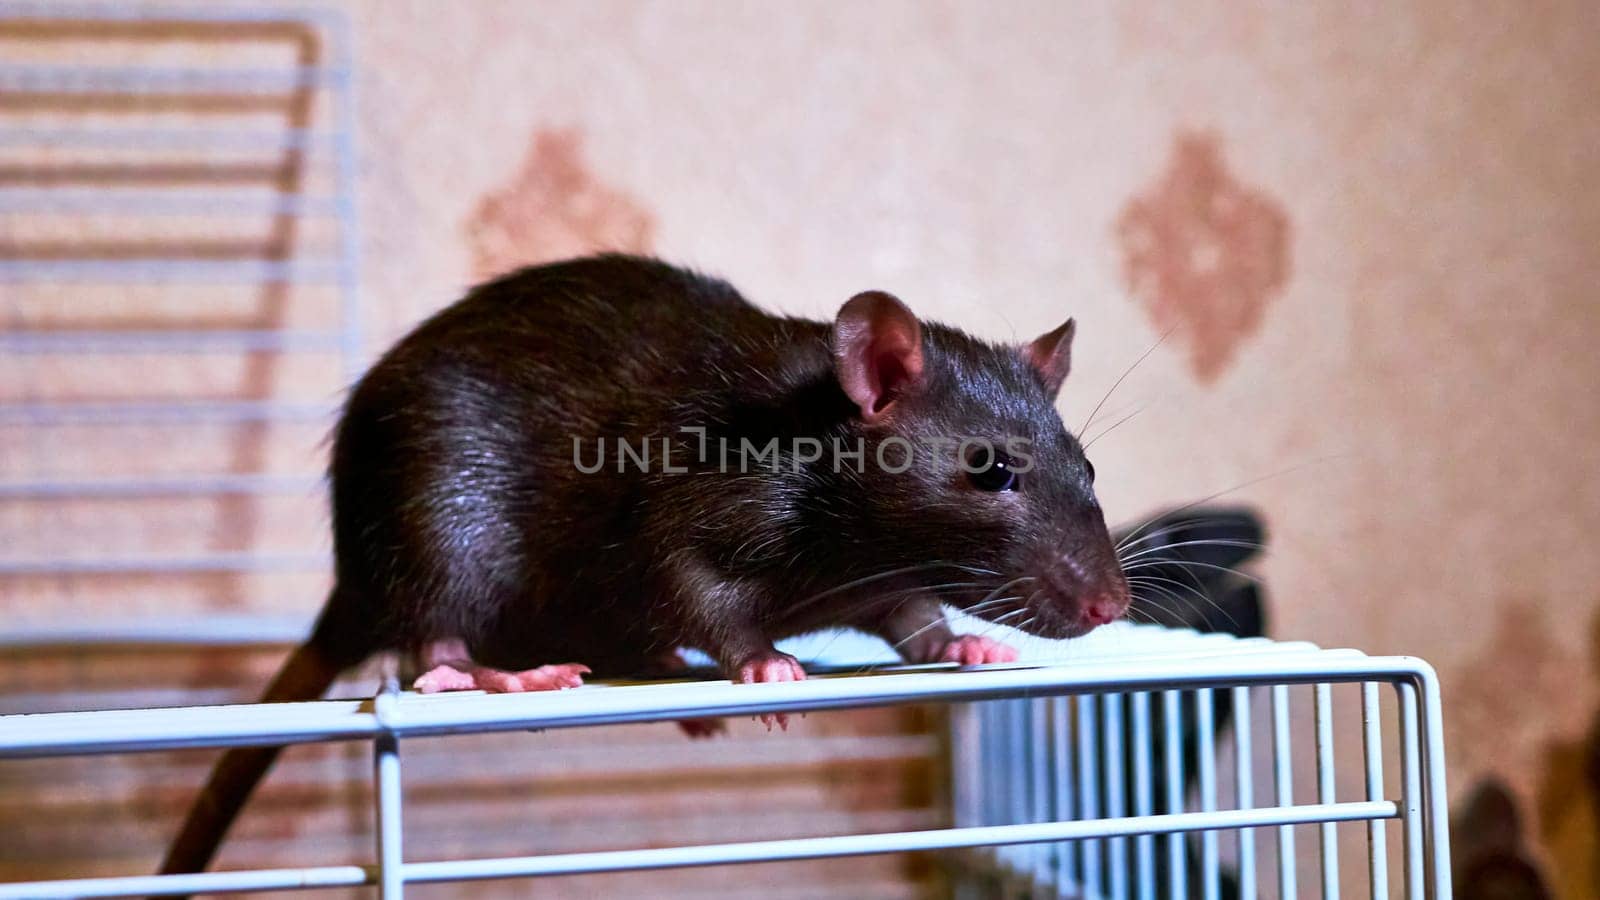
(991, 471)
(1090, 466)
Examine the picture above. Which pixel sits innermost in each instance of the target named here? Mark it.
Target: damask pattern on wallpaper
(1204, 253)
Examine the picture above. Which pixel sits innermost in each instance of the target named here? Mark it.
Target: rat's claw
(974, 650)
(770, 667)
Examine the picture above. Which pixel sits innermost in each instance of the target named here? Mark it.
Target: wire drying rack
(138, 155)
(1057, 770)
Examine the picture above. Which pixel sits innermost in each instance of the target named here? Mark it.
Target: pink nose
(1101, 612)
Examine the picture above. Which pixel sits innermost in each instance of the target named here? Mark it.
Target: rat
(580, 468)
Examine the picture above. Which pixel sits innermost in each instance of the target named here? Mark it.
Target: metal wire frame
(1086, 780)
(331, 148)
(983, 794)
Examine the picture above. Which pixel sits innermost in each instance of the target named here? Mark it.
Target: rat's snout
(1104, 609)
(1080, 593)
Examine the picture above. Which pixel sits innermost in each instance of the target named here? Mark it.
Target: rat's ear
(1050, 354)
(877, 351)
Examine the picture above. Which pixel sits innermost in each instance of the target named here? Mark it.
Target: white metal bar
(870, 844)
(1065, 805)
(1434, 774)
(161, 486)
(1244, 788)
(151, 341)
(1438, 843)
(1283, 767)
(140, 13)
(216, 562)
(1372, 747)
(1115, 792)
(1411, 793)
(1037, 748)
(184, 885)
(1013, 764)
(681, 857)
(1172, 741)
(190, 271)
(387, 799)
(155, 413)
(989, 736)
(1205, 739)
(172, 202)
(966, 783)
(1089, 780)
(184, 139)
(82, 79)
(476, 713)
(391, 874)
(1143, 805)
(1329, 850)
(212, 630)
(418, 715)
(345, 162)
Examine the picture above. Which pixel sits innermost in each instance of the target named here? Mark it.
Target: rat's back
(454, 487)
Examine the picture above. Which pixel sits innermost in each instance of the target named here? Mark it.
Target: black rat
(583, 467)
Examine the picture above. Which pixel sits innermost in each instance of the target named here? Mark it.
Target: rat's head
(997, 504)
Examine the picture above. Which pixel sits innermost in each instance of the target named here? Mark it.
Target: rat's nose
(1102, 610)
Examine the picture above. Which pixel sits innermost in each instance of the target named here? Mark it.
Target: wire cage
(1213, 760)
(1070, 775)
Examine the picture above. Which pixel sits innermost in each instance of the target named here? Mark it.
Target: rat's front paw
(768, 667)
(972, 650)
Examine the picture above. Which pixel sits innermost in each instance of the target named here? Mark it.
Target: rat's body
(469, 537)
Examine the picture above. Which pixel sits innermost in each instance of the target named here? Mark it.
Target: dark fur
(458, 511)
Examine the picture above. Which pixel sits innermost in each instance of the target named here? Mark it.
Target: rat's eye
(1090, 467)
(991, 471)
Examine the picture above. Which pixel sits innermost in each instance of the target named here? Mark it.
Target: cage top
(1120, 658)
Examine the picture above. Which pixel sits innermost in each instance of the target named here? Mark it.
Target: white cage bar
(1058, 779)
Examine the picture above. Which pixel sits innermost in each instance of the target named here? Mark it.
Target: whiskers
(988, 604)
(1144, 570)
(808, 602)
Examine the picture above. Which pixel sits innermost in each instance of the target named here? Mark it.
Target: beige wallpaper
(1371, 232)
(1367, 238)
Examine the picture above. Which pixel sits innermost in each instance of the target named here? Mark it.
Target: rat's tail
(304, 676)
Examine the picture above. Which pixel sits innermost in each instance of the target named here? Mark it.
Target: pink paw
(495, 681)
(444, 678)
(973, 650)
(703, 728)
(769, 667)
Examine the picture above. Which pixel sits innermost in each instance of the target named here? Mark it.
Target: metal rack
(96, 105)
(1016, 766)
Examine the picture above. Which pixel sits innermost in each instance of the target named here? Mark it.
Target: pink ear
(877, 351)
(1051, 356)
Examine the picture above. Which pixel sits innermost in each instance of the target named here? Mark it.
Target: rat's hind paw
(703, 728)
(444, 678)
(973, 650)
(495, 681)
